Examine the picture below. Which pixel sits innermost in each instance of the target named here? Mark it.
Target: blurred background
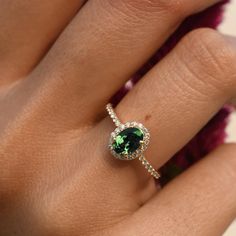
(229, 27)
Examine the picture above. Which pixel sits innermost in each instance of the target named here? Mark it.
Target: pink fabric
(213, 133)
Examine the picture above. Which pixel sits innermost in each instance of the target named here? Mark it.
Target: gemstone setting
(129, 141)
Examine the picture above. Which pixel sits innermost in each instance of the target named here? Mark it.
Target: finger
(27, 29)
(199, 202)
(182, 93)
(233, 41)
(105, 44)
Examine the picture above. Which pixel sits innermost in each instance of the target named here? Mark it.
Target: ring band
(129, 141)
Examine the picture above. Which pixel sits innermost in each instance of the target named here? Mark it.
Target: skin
(56, 174)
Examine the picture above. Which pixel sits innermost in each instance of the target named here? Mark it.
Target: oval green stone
(128, 141)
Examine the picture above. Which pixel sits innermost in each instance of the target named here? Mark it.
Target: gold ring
(129, 141)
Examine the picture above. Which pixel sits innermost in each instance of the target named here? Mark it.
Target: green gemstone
(128, 141)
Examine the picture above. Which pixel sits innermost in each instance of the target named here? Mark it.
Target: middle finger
(105, 44)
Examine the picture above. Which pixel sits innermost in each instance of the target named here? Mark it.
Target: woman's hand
(56, 175)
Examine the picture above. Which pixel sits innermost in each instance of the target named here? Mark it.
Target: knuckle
(212, 55)
(152, 6)
(176, 7)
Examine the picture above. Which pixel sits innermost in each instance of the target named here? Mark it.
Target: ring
(129, 141)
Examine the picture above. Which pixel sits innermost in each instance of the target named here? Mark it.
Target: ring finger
(181, 94)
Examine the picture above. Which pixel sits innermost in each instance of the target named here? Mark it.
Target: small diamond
(122, 127)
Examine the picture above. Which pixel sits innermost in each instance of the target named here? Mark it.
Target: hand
(56, 175)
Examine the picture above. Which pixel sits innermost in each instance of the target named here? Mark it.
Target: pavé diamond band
(129, 141)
